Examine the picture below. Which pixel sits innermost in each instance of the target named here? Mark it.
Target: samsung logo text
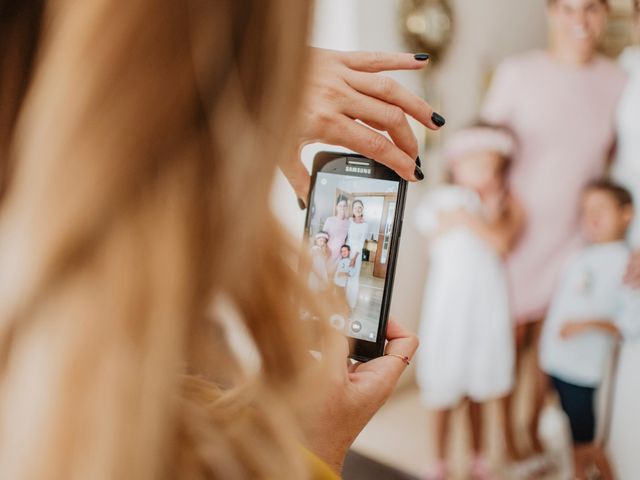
(365, 171)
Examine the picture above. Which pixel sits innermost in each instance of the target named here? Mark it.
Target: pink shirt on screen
(563, 118)
(337, 229)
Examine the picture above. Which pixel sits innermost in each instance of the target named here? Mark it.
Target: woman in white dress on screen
(358, 230)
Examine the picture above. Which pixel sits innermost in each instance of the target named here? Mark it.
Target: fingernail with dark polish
(418, 173)
(438, 119)
(301, 204)
(418, 162)
(423, 57)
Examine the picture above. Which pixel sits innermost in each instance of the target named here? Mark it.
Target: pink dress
(337, 230)
(563, 118)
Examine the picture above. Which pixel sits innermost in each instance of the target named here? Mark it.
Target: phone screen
(350, 238)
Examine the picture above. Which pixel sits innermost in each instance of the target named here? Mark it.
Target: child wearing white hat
(466, 330)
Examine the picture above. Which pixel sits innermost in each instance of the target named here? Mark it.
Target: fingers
(388, 90)
(401, 342)
(354, 136)
(381, 61)
(354, 366)
(389, 368)
(396, 331)
(336, 355)
(386, 117)
(297, 175)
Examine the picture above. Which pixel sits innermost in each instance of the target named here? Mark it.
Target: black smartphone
(352, 231)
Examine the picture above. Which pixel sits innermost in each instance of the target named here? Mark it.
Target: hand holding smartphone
(352, 230)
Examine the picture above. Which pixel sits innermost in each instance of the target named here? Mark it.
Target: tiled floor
(398, 436)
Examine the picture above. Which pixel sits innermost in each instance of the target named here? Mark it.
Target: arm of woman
(348, 99)
(327, 225)
(632, 276)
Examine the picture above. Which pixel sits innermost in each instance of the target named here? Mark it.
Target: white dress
(626, 168)
(466, 332)
(319, 274)
(355, 239)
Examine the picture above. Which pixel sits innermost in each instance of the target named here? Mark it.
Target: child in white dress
(467, 350)
(320, 258)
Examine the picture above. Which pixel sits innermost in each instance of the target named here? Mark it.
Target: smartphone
(352, 232)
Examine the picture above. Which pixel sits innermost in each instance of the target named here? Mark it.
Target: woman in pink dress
(337, 227)
(560, 103)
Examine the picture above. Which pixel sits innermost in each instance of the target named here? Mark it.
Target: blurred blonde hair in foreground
(138, 165)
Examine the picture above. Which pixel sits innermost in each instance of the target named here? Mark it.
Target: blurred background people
(560, 103)
(467, 40)
(466, 331)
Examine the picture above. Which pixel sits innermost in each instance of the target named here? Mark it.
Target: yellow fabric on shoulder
(319, 469)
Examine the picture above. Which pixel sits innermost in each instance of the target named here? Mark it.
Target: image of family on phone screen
(350, 234)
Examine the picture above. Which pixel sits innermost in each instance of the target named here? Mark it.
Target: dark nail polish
(301, 204)
(438, 119)
(423, 57)
(418, 173)
(418, 162)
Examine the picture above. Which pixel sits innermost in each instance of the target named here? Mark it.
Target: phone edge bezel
(359, 349)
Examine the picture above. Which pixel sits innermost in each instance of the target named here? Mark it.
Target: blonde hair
(145, 123)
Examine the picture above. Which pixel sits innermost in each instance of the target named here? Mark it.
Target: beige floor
(399, 436)
(367, 309)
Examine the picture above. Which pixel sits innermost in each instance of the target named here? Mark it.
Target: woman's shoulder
(515, 71)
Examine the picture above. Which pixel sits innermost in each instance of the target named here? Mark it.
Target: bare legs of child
(441, 427)
(527, 336)
(585, 457)
(540, 391)
(479, 467)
